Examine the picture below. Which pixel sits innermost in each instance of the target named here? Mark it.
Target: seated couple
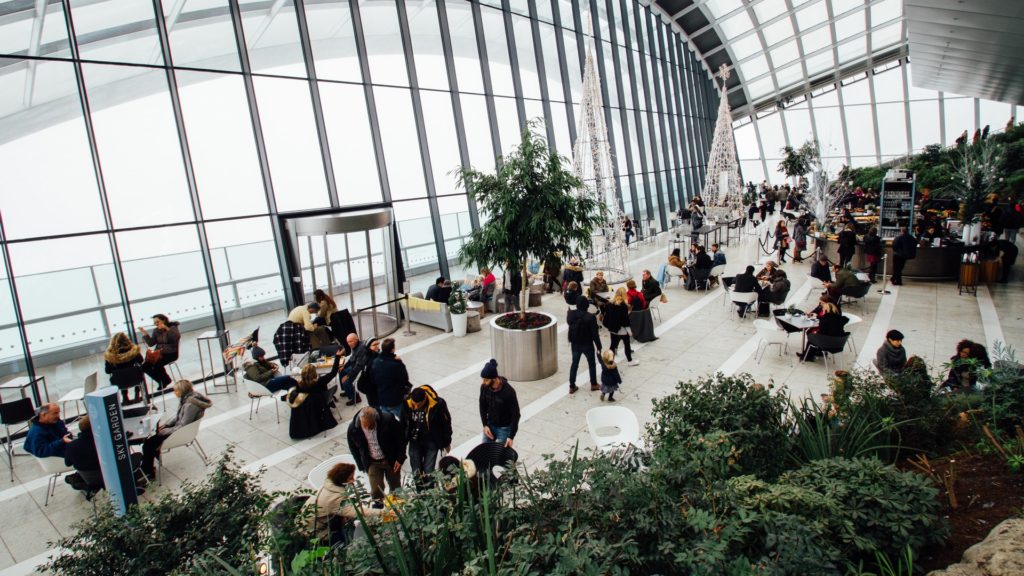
(831, 322)
(774, 292)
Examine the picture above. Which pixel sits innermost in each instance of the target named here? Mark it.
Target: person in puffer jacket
(191, 407)
(428, 428)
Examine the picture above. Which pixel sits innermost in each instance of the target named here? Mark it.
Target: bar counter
(931, 263)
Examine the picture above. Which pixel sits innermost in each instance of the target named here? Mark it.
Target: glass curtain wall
(148, 148)
(865, 120)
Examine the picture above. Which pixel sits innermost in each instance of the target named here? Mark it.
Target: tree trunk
(524, 294)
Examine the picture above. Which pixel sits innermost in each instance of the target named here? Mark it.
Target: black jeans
(157, 371)
(616, 338)
(423, 461)
(587, 351)
(150, 449)
(897, 269)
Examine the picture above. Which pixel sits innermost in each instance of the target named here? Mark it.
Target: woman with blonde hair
(616, 320)
(123, 361)
(310, 401)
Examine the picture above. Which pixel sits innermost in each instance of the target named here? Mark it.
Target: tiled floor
(697, 335)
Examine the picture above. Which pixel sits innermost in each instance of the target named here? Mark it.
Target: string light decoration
(723, 189)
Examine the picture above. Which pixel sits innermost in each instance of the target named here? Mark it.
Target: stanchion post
(885, 277)
(408, 311)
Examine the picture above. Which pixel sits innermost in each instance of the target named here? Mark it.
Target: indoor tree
(533, 209)
(799, 161)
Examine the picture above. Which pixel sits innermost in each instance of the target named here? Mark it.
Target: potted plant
(977, 174)
(798, 161)
(457, 308)
(533, 208)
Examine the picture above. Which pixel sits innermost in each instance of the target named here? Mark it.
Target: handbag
(153, 356)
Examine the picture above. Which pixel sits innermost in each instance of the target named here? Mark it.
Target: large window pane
(830, 126)
(68, 296)
(401, 146)
(798, 124)
(139, 148)
(442, 140)
(497, 52)
(456, 227)
(552, 66)
(959, 112)
(99, 25)
(383, 42)
(924, 123)
(272, 37)
(995, 115)
(289, 131)
(163, 273)
(525, 52)
(12, 353)
(220, 140)
(72, 188)
(772, 137)
(416, 239)
(201, 34)
(861, 128)
(464, 49)
(333, 39)
(352, 152)
(17, 30)
(431, 71)
(508, 123)
(892, 130)
(478, 132)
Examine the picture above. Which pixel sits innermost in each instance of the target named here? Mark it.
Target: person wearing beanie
(259, 369)
(585, 341)
(428, 429)
(499, 406)
(891, 357)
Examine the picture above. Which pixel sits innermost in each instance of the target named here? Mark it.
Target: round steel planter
(525, 355)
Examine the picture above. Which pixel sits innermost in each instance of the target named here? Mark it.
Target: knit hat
(490, 369)
(258, 352)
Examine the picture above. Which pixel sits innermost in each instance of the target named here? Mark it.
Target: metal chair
(675, 272)
(717, 272)
(747, 299)
(54, 467)
(856, 293)
(318, 475)
(700, 276)
(14, 413)
(618, 417)
(852, 319)
(829, 346)
(258, 392)
(78, 394)
(769, 336)
(655, 307)
(184, 436)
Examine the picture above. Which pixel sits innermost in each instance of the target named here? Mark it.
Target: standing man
(377, 443)
(584, 339)
(428, 429)
(904, 248)
(392, 379)
(499, 406)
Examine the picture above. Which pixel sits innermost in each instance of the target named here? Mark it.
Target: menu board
(896, 207)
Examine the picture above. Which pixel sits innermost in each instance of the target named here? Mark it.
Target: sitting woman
(963, 371)
(311, 402)
(830, 323)
(573, 272)
(330, 513)
(818, 310)
(572, 293)
(634, 297)
(675, 260)
(123, 362)
(191, 407)
(598, 286)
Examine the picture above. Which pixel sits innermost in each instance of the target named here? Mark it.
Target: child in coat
(610, 378)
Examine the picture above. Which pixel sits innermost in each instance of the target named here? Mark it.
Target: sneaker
(611, 399)
(602, 397)
(595, 387)
(634, 362)
(573, 388)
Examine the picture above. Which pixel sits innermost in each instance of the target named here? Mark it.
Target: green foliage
(457, 301)
(878, 507)
(822, 434)
(221, 515)
(752, 415)
(799, 161)
(531, 206)
(1003, 405)
(977, 173)
(867, 177)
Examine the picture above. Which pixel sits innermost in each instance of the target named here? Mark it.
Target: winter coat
(124, 367)
(616, 316)
(311, 409)
(832, 325)
(260, 372)
(890, 359)
(166, 341)
(191, 407)
(847, 241)
(872, 245)
(392, 380)
(904, 246)
(500, 408)
(583, 325)
(651, 289)
(330, 501)
(81, 454)
(45, 440)
(433, 422)
(636, 299)
(390, 437)
(610, 379)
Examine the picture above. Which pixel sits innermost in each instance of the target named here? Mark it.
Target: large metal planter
(525, 355)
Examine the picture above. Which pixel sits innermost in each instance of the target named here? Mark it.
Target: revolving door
(350, 256)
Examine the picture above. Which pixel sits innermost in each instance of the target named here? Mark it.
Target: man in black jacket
(584, 340)
(904, 248)
(499, 406)
(821, 270)
(745, 283)
(428, 429)
(440, 291)
(392, 379)
(651, 288)
(377, 443)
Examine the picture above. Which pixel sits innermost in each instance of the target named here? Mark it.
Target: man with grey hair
(47, 434)
(353, 366)
(377, 443)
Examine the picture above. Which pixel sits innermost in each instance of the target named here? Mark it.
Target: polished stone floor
(698, 335)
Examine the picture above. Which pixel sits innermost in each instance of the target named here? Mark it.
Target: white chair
(184, 436)
(851, 320)
(815, 283)
(54, 467)
(258, 392)
(675, 272)
(318, 475)
(769, 335)
(748, 299)
(717, 272)
(618, 417)
(655, 306)
(78, 394)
